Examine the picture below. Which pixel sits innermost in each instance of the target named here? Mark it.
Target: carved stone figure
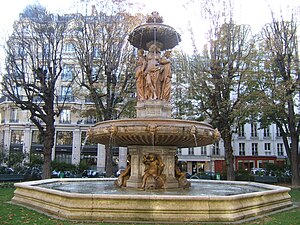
(165, 81)
(180, 176)
(124, 176)
(152, 72)
(140, 76)
(153, 177)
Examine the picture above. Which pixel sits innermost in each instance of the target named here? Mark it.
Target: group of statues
(153, 75)
(153, 177)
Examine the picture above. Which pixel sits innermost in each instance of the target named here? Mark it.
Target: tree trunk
(229, 158)
(48, 145)
(295, 161)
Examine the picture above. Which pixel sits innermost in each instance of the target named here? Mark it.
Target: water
(107, 187)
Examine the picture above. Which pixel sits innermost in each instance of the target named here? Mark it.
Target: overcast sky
(253, 12)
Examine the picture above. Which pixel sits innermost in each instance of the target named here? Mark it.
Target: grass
(17, 215)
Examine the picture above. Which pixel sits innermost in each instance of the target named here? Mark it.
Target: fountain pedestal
(153, 108)
(167, 154)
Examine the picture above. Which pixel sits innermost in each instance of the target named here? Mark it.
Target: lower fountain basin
(98, 200)
(153, 131)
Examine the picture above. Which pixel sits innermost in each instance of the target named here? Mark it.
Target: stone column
(168, 156)
(7, 138)
(122, 157)
(76, 146)
(137, 168)
(101, 158)
(53, 149)
(27, 142)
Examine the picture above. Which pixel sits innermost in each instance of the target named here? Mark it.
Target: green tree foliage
(276, 82)
(220, 75)
(182, 94)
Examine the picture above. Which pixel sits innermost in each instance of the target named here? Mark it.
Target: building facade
(253, 148)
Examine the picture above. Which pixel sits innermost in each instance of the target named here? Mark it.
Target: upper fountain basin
(153, 131)
(166, 37)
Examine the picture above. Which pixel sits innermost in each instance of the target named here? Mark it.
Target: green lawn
(16, 215)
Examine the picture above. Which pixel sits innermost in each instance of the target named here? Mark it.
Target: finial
(154, 18)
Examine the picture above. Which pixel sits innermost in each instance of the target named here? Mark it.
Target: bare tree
(106, 62)
(33, 66)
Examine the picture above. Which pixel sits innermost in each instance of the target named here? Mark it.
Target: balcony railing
(65, 121)
(14, 120)
(66, 98)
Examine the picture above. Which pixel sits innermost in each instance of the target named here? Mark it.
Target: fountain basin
(155, 206)
(153, 131)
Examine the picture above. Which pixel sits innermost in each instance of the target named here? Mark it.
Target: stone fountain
(152, 188)
(153, 137)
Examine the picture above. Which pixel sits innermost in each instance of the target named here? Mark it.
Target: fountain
(152, 188)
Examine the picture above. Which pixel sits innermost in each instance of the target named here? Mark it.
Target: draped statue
(153, 75)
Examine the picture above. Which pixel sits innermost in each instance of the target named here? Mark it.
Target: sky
(176, 13)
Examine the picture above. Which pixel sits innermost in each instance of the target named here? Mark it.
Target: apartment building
(253, 148)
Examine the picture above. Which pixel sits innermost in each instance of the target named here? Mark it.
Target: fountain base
(143, 206)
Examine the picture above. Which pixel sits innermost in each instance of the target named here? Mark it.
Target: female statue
(166, 77)
(140, 76)
(152, 72)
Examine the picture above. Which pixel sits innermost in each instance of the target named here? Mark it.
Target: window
(191, 151)
(179, 151)
(66, 94)
(69, 48)
(17, 137)
(2, 114)
(37, 138)
(65, 116)
(254, 149)
(216, 149)
(267, 132)
(14, 116)
(278, 132)
(96, 53)
(90, 119)
(64, 138)
(241, 131)
(203, 150)
(241, 148)
(280, 149)
(95, 73)
(66, 90)
(63, 157)
(267, 148)
(67, 73)
(253, 130)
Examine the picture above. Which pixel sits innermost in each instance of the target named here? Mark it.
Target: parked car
(258, 171)
(90, 174)
(6, 170)
(194, 176)
(62, 174)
